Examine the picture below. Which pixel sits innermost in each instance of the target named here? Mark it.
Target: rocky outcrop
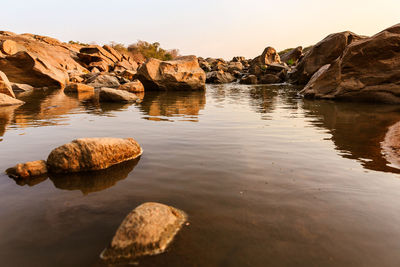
(6, 100)
(5, 85)
(78, 87)
(324, 52)
(28, 169)
(183, 73)
(115, 95)
(147, 230)
(368, 70)
(37, 60)
(292, 57)
(249, 79)
(220, 77)
(89, 154)
(133, 87)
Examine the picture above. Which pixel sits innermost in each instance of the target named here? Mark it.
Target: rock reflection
(89, 182)
(31, 181)
(357, 129)
(6, 117)
(165, 105)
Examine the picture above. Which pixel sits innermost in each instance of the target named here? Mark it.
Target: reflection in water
(6, 116)
(89, 182)
(357, 129)
(159, 106)
(31, 181)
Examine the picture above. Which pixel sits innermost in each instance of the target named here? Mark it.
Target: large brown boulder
(259, 64)
(182, 73)
(88, 154)
(5, 85)
(324, 52)
(115, 95)
(37, 60)
(134, 86)
(147, 230)
(368, 70)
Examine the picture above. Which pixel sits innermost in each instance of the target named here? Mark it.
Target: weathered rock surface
(78, 87)
(219, 77)
(6, 100)
(103, 80)
(183, 73)
(116, 95)
(9, 47)
(28, 169)
(19, 87)
(368, 70)
(37, 60)
(293, 56)
(259, 64)
(89, 154)
(5, 85)
(147, 230)
(249, 79)
(134, 86)
(324, 52)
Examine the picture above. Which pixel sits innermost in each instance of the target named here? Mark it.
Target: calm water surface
(267, 179)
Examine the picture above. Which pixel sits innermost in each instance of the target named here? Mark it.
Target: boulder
(368, 70)
(259, 64)
(128, 74)
(269, 79)
(9, 47)
(219, 77)
(249, 79)
(39, 61)
(292, 57)
(235, 66)
(238, 59)
(5, 85)
(19, 87)
(113, 52)
(89, 154)
(115, 95)
(182, 73)
(103, 80)
(324, 52)
(28, 169)
(78, 87)
(134, 86)
(147, 230)
(6, 100)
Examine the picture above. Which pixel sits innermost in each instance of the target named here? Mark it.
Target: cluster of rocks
(268, 68)
(30, 61)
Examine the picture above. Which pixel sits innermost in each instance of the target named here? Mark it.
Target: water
(267, 179)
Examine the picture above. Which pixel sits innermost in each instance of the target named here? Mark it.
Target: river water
(266, 178)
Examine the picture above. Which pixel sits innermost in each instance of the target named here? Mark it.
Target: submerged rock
(115, 95)
(88, 154)
(182, 73)
(28, 169)
(6, 100)
(147, 230)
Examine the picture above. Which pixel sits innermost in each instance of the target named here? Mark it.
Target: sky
(206, 28)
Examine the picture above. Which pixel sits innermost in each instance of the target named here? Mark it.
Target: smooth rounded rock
(89, 154)
(28, 169)
(147, 230)
(115, 95)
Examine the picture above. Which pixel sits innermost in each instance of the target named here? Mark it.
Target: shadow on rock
(94, 181)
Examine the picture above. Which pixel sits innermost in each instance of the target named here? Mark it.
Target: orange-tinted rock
(5, 85)
(115, 95)
(9, 47)
(147, 230)
(183, 73)
(78, 87)
(88, 154)
(6, 100)
(28, 169)
(134, 86)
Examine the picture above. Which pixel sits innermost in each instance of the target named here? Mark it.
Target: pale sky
(208, 28)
